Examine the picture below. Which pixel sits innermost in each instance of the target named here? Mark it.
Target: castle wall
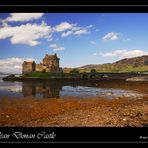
(40, 67)
(49, 60)
(55, 69)
(28, 67)
(55, 62)
(50, 64)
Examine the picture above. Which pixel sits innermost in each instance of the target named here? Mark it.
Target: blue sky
(77, 38)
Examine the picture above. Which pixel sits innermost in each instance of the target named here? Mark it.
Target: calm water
(65, 89)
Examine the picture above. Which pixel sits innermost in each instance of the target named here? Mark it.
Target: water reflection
(57, 89)
(44, 90)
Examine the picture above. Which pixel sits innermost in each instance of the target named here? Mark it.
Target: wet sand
(73, 112)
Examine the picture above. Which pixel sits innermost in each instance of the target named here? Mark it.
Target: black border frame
(84, 134)
(75, 8)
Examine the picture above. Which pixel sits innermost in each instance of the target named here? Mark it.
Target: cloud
(13, 64)
(76, 30)
(124, 53)
(93, 42)
(56, 47)
(111, 36)
(30, 34)
(72, 29)
(65, 34)
(90, 26)
(81, 31)
(26, 34)
(22, 17)
(63, 26)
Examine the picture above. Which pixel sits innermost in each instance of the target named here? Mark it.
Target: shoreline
(73, 112)
(130, 77)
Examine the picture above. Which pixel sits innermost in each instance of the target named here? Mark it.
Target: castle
(50, 63)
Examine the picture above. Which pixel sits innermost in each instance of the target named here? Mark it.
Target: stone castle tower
(50, 63)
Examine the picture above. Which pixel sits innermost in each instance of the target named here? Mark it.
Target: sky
(77, 38)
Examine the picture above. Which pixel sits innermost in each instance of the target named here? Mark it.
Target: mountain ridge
(139, 63)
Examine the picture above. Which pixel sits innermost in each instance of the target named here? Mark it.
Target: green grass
(43, 74)
(49, 75)
(127, 68)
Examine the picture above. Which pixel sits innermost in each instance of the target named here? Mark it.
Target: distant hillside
(137, 61)
(125, 65)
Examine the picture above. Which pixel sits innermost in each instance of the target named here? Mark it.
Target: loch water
(56, 89)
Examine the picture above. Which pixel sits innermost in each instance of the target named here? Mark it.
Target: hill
(137, 61)
(136, 64)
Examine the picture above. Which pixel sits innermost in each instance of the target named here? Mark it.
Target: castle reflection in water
(43, 90)
(51, 89)
(57, 89)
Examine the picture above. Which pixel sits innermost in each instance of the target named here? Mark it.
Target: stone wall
(28, 67)
(51, 60)
(41, 67)
(50, 64)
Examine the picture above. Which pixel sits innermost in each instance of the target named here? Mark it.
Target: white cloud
(93, 42)
(65, 34)
(12, 65)
(72, 29)
(124, 53)
(81, 31)
(56, 47)
(90, 26)
(76, 30)
(17, 66)
(20, 17)
(111, 36)
(30, 34)
(26, 34)
(63, 26)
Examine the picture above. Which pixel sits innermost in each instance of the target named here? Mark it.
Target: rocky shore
(138, 79)
(73, 112)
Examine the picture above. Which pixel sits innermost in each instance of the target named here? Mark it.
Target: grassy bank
(108, 68)
(44, 74)
(50, 75)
